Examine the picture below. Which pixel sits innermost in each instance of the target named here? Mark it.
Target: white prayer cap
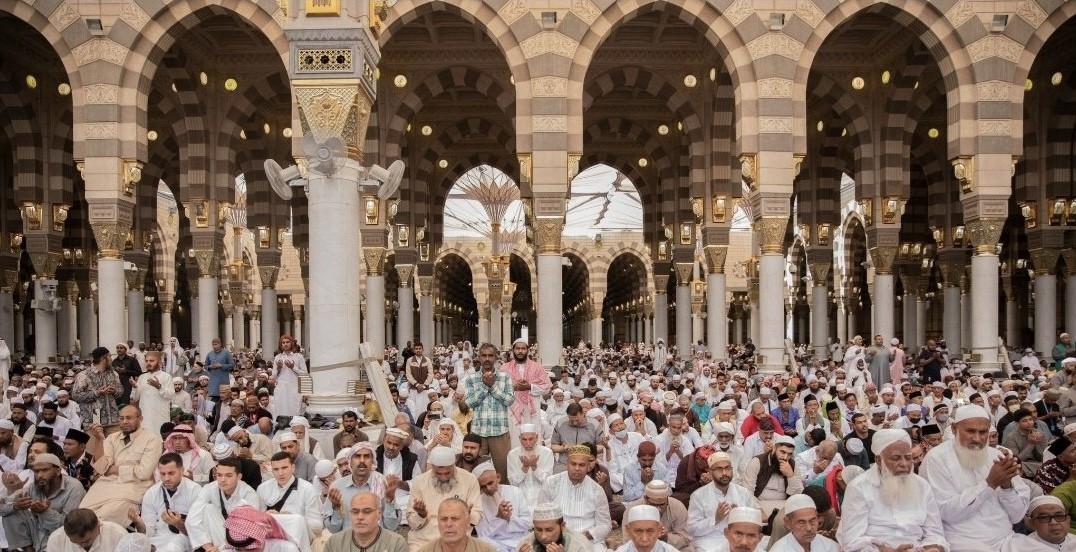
(1068, 360)
(841, 387)
(396, 432)
(783, 440)
(13, 389)
(520, 340)
(658, 489)
(799, 502)
(717, 457)
(612, 418)
(134, 542)
(446, 422)
(233, 431)
(482, 468)
(7, 424)
(642, 512)
(558, 391)
(528, 428)
(63, 393)
(177, 380)
(894, 341)
(299, 420)
(969, 412)
(323, 468)
(743, 514)
(547, 512)
(638, 407)
(344, 454)
(15, 400)
(854, 445)
(288, 436)
(49, 459)
(222, 451)
(879, 409)
(595, 413)
(723, 427)
(883, 438)
(727, 405)
(850, 472)
(442, 457)
(1042, 501)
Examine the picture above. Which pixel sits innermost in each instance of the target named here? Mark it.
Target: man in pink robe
(530, 382)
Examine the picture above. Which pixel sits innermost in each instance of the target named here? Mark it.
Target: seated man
(304, 461)
(549, 529)
(581, 499)
(444, 481)
(349, 425)
(743, 533)
(506, 515)
(530, 463)
(166, 507)
(1049, 523)
(772, 477)
(365, 517)
(78, 461)
(641, 470)
(471, 456)
(454, 529)
(300, 426)
(287, 494)
(889, 504)
(196, 462)
(801, 519)
(1056, 470)
(205, 523)
(672, 512)
(395, 458)
(83, 531)
(248, 528)
(711, 504)
(251, 445)
(361, 478)
(32, 514)
(126, 461)
(643, 530)
(818, 461)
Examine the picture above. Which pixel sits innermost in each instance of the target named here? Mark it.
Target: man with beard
(490, 393)
(205, 523)
(303, 461)
(197, 463)
(83, 531)
(50, 418)
(365, 515)
(641, 469)
(430, 489)
(166, 506)
(979, 489)
(420, 375)
(889, 505)
(175, 361)
(581, 498)
(183, 400)
(41, 508)
(349, 425)
(643, 529)
(672, 514)
(78, 461)
(550, 534)
(506, 515)
(68, 408)
(470, 458)
(153, 392)
(530, 463)
(395, 459)
(1049, 522)
(772, 476)
(710, 506)
(744, 530)
(128, 369)
(529, 382)
(801, 519)
(251, 445)
(362, 479)
(294, 500)
(12, 448)
(256, 417)
(126, 461)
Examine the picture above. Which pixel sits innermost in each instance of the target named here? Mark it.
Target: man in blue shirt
(219, 364)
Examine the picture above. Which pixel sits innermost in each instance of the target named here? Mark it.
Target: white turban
(743, 514)
(442, 457)
(969, 412)
(642, 512)
(799, 502)
(885, 437)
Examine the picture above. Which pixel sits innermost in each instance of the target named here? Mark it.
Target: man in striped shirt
(489, 394)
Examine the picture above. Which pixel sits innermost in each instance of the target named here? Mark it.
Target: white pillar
(506, 327)
(44, 324)
(549, 307)
(885, 312)
(753, 325)
(771, 309)
(853, 324)
(195, 335)
(1045, 313)
(697, 328)
(270, 327)
(166, 324)
(7, 320)
(254, 332)
(717, 329)
(648, 330)
(208, 319)
(495, 336)
(87, 326)
(984, 310)
(375, 314)
(661, 317)
(65, 327)
(842, 324)
(405, 320)
(911, 342)
(111, 290)
(683, 320)
(920, 322)
(820, 320)
(229, 330)
(239, 327)
(737, 329)
(136, 316)
(297, 327)
(951, 315)
(1012, 331)
(965, 323)
(426, 324)
(1070, 300)
(483, 325)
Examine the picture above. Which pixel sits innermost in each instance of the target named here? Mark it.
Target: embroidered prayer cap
(783, 440)
(883, 438)
(724, 427)
(323, 468)
(850, 472)
(222, 451)
(134, 542)
(442, 457)
(798, 502)
(1043, 501)
(658, 490)
(743, 514)
(528, 428)
(288, 436)
(969, 412)
(579, 449)
(854, 445)
(717, 457)
(879, 409)
(49, 459)
(396, 432)
(642, 512)
(547, 512)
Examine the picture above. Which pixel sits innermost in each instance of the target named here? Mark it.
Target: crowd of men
(632, 448)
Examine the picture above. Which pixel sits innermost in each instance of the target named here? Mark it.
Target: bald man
(126, 462)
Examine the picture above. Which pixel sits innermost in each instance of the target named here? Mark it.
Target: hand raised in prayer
(133, 382)
(133, 514)
(820, 465)
(601, 477)
(522, 385)
(525, 547)
(22, 502)
(335, 498)
(13, 483)
(1004, 469)
(40, 506)
(706, 478)
(392, 482)
(171, 517)
(554, 547)
(504, 510)
(113, 470)
(1035, 437)
(721, 511)
(930, 548)
(420, 507)
(154, 383)
(646, 475)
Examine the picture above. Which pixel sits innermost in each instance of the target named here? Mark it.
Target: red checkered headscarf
(249, 529)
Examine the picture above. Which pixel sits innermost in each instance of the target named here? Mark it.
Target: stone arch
(475, 11)
(702, 15)
(946, 44)
(28, 12)
(150, 44)
(633, 250)
(859, 129)
(584, 254)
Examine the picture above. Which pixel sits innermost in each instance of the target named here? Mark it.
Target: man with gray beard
(443, 480)
(889, 507)
(979, 489)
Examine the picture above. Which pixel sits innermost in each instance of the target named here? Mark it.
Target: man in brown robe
(126, 462)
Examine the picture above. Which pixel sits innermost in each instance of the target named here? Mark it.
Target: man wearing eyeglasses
(1048, 518)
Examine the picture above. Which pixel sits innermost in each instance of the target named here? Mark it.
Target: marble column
(44, 321)
(87, 325)
(239, 326)
(550, 302)
(297, 327)
(66, 323)
(270, 326)
(7, 318)
(697, 323)
(166, 320)
(208, 313)
(483, 323)
(842, 323)
(254, 332)
(375, 298)
(495, 336)
(506, 325)
(885, 285)
(920, 321)
(661, 309)
(985, 276)
(1070, 290)
(683, 309)
(717, 329)
(1045, 300)
(737, 327)
(425, 312)
(194, 307)
(965, 321)
(229, 328)
(951, 315)
(136, 311)
(111, 291)
(405, 296)
(1012, 331)
(853, 323)
(753, 325)
(648, 328)
(820, 305)
(908, 306)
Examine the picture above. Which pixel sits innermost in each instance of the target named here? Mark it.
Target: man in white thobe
(289, 497)
(581, 499)
(801, 518)
(205, 523)
(175, 360)
(890, 505)
(530, 463)
(506, 514)
(643, 529)
(979, 489)
(710, 505)
(154, 392)
(818, 460)
(1049, 523)
(166, 507)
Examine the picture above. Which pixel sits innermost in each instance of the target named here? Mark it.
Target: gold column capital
(661, 284)
(819, 271)
(883, 257)
(425, 285)
(405, 271)
(984, 234)
(770, 232)
(268, 275)
(375, 260)
(336, 108)
(548, 234)
(1044, 259)
(1070, 261)
(715, 258)
(111, 237)
(208, 262)
(683, 273)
